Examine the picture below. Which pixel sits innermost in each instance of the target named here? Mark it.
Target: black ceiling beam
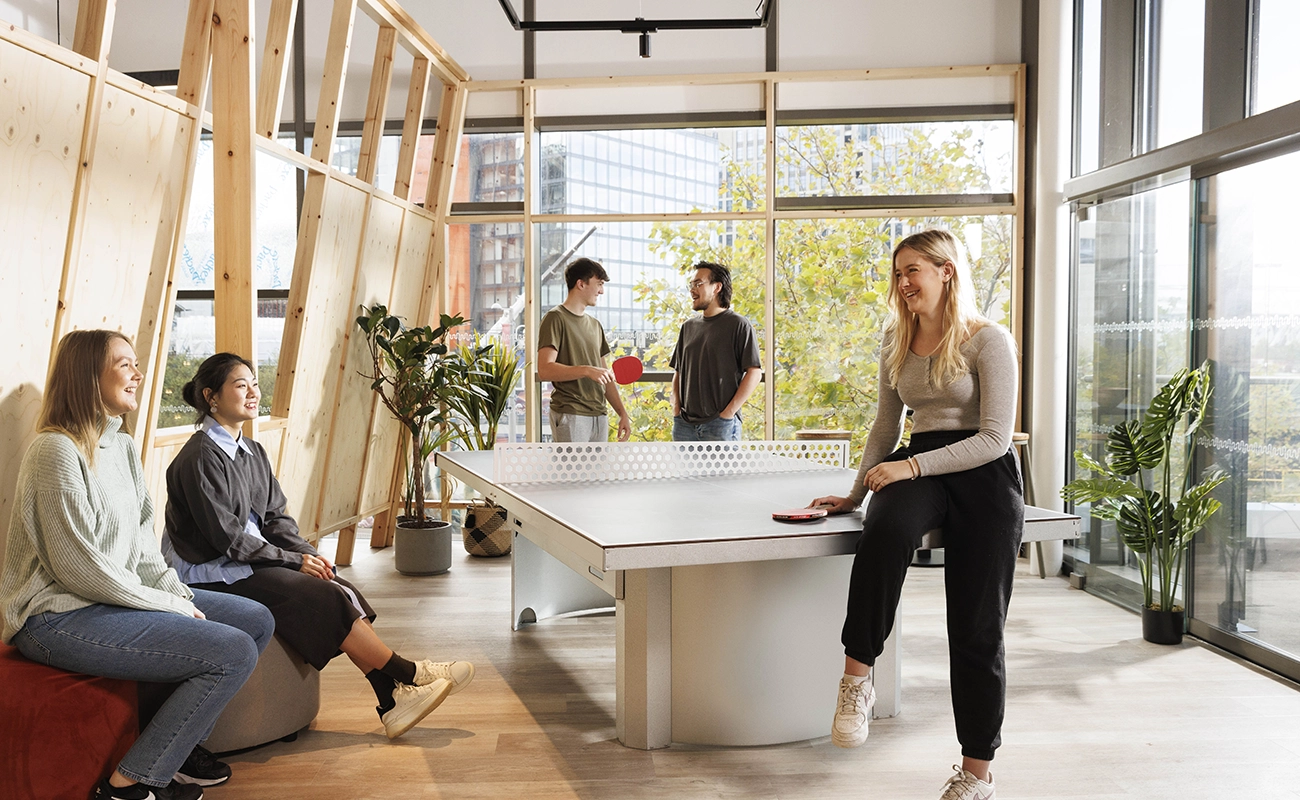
(638, 25)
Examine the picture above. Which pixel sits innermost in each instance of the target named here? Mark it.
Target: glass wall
(897, 158)
(1177, 79)
(1248, 562)
(1276, 79)
(1131, 299)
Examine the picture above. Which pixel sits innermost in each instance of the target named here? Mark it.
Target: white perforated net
(625, 461)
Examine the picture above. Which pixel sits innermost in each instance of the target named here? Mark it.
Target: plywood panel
(130, 221)
(42, 113)
(417, 237)
(350, 435)
(326, 310)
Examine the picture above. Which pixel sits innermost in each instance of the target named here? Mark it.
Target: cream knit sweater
(82, 535)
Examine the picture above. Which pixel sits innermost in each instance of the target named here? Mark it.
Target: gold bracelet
(916, 468)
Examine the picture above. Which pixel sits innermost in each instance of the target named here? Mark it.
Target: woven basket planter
(485, 531)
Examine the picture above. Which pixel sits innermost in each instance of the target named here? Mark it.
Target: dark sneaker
(202, 769)
(139, 791)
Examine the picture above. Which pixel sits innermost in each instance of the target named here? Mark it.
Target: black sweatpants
(982, 514)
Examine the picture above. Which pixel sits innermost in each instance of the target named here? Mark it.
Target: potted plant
(422, 383)
(1135, 489)
(494, 370)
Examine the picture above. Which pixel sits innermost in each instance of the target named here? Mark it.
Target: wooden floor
(1093, 712)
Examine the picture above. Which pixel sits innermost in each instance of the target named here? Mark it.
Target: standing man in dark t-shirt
(716, 361)
(571, 353)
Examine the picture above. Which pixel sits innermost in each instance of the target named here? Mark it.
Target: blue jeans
(210, 659)
(715, 430)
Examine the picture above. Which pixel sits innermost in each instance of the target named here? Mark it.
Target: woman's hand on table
(834, 504)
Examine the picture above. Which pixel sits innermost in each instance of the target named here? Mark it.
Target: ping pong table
(727, 621)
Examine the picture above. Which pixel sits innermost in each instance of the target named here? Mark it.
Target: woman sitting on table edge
(958, 372)
(227, 532)
(84, 587)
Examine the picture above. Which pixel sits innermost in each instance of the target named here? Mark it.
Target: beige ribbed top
(983, 399)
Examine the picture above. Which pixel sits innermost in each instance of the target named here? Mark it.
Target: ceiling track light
(642, 26)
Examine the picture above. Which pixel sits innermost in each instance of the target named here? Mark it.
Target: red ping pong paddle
(798, 514)
(627, 369)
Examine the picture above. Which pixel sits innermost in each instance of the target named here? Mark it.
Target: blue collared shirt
(221, 569)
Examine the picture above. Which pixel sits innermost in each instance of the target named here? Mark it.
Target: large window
(832, 280)
(193, 332)
(1202, 269)
(1277, 59)
(1248, 563)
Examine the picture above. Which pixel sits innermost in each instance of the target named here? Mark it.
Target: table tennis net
(624, 461)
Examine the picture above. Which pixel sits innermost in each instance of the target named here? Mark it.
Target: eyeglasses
(697, 284)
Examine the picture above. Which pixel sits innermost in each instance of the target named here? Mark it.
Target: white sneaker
(460, 673)
(413, 704)
(965, 786)
(853, 713)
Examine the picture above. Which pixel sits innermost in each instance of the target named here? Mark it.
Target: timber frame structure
(94, 221)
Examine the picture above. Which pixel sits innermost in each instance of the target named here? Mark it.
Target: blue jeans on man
(715, 430)
(210, 659)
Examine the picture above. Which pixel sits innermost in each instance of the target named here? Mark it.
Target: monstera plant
(1136, 488)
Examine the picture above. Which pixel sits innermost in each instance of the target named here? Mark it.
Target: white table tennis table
(727, 621)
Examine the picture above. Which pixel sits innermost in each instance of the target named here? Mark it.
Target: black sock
(399, 669)
(383, 686)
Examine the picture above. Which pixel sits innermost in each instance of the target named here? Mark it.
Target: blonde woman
(958, 373)
(85, 588)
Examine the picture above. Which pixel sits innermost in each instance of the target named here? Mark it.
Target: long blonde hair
(961, 317)
(73, 404)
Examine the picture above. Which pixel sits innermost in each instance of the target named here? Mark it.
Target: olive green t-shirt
(579, 341)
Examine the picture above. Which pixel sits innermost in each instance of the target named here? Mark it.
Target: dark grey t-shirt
(711, 357)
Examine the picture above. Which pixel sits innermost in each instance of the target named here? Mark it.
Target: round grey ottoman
(280, 698)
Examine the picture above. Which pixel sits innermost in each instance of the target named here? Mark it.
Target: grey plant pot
(423, 551)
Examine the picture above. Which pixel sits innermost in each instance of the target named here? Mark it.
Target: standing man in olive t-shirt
(571, 352)
(716, 361)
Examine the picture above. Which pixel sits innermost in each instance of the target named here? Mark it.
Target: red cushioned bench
(60, 731)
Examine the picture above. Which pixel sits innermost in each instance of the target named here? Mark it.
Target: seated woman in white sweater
(85, 588)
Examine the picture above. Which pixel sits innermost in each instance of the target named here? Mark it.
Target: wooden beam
(415, 38)
(437, 198)
(381, 81)
(196, 57)
(234, 179)
(313, 203)
(532, 288)
(1018, 239)
(195, 64)
(757, 78)
(331, 86)
(769, 261)
(416, 96)
(275, 66)
(94, 30)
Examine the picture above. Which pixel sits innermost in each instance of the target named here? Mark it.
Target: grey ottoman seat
(281, 697)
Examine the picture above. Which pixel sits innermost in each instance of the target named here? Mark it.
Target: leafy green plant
(494, 369)
(422, 383)
(1151, 522)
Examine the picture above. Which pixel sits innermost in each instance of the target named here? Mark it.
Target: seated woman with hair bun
(227, 531)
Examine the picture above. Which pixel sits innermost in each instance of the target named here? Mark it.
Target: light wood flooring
(1092, 712)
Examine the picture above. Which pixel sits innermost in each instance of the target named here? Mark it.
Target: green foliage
(494, 369)
(421, 382)
(832, 275)
(1150, 521)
